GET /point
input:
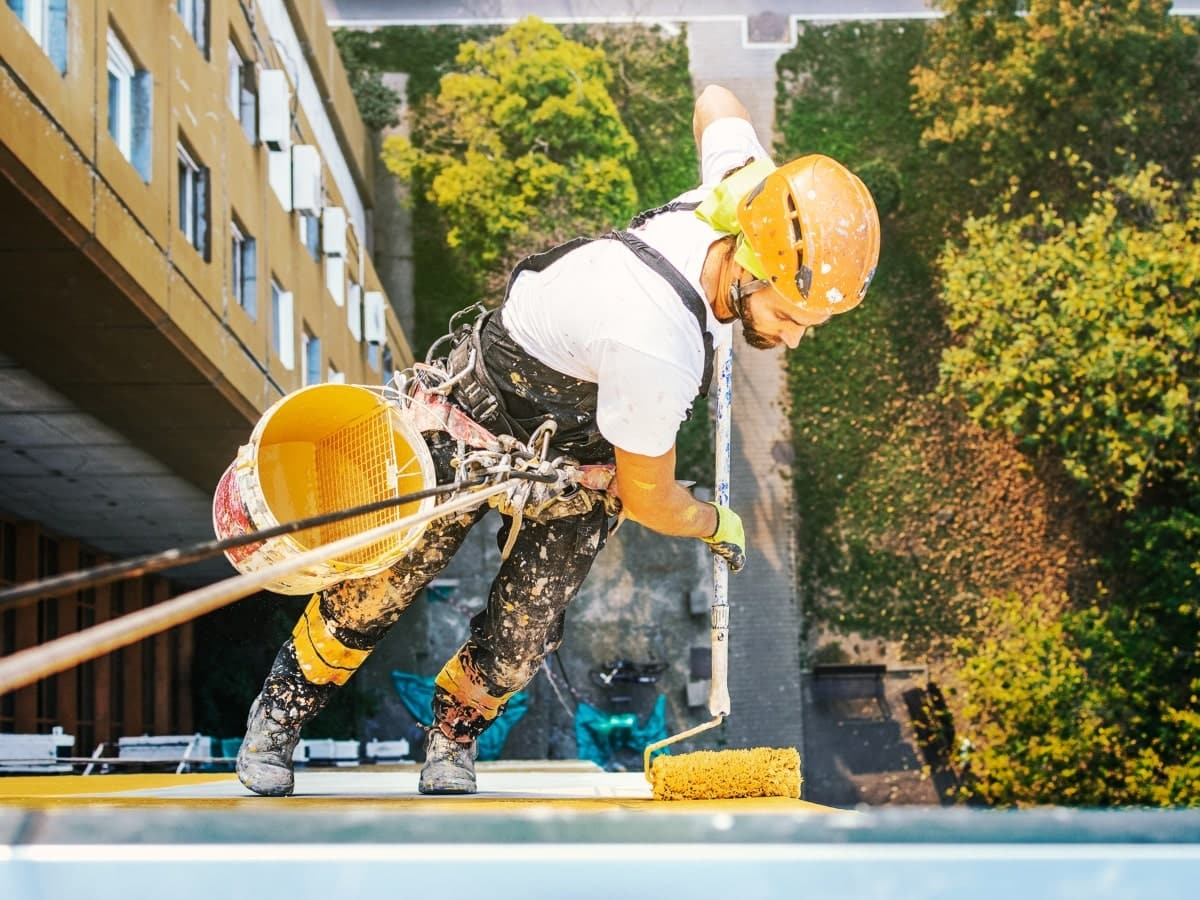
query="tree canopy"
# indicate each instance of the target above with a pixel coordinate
(1079, 336)
(522, 146)
(1005, 81)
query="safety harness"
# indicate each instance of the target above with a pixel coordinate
(534, 392)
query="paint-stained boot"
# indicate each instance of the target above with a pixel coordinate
(287, 701)
(264, 761)
(449, 766)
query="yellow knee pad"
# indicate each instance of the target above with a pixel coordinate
(322, 657)
(466, 686)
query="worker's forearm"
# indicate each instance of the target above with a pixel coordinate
(672, 511)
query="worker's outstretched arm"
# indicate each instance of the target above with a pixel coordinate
(715, 102)
(652, 497)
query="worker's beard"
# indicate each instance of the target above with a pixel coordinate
(754, 337)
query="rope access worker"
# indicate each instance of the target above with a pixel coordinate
(613, 338)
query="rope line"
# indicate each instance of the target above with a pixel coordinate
(26, 667)
(107, 573)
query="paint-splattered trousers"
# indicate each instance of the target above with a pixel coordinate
(522, 622)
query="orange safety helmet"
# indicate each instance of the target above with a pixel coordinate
(812, 227)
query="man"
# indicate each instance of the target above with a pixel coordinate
(612, 338)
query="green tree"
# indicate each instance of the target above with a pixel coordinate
(1042, 721)
(1088, 708)
(652, 88)
(1079, 336)
(377, 103)
(521, 147)
(1003, 82)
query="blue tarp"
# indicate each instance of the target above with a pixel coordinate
(600, 735)
(416, 693)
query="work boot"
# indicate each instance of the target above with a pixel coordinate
(449, 766)
(287, 701)
(264, 761)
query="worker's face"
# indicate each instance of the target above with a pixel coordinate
(771, 319)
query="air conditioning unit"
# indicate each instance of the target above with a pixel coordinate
(306, 178)
(374, 318)
(279, 175)
(354, 312)
(274, 109)
(335, 278)
(287, 333)
(333, 231)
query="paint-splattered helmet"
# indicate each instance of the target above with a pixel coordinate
(812, 227)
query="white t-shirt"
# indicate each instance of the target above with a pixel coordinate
(600, 315)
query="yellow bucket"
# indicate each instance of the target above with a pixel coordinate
(322, 449)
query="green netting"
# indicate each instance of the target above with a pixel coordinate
(604, 737)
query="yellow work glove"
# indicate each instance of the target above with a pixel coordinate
(729, 540)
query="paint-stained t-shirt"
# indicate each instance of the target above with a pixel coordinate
(600, 315)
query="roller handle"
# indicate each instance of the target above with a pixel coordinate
(718, 690)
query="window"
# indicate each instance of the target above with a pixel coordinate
(193, 201)
(242, 100)
(129, 106)
(311, 347)
(334, 376)
(282, 327)
(310, 234)
(195, 19)
(388, 363)
(46, 22)
(243, 268)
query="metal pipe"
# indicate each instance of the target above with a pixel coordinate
(718, 690)
(28, 666)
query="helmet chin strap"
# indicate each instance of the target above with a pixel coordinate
(738, 292)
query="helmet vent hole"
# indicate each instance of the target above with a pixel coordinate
(797, 233)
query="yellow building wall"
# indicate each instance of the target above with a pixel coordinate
(55, 126)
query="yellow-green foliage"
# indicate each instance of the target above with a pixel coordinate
(523, 144)
(1001, 82)
(1056, 709)
(1083, 336)
(1035, 727)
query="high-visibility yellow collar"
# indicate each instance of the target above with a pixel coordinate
(719, 209)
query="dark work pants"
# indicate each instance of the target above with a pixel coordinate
(523, 620)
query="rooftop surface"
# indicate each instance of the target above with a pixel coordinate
(547, 829)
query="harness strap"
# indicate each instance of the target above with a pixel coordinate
(518, 408)
(674, 206)
(682, 287)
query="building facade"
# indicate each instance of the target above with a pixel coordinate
(185, 205)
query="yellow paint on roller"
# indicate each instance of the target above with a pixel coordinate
(727, 774)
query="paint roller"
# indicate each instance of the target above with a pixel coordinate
(723, 774)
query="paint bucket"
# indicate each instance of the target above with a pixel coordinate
(322, 449)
